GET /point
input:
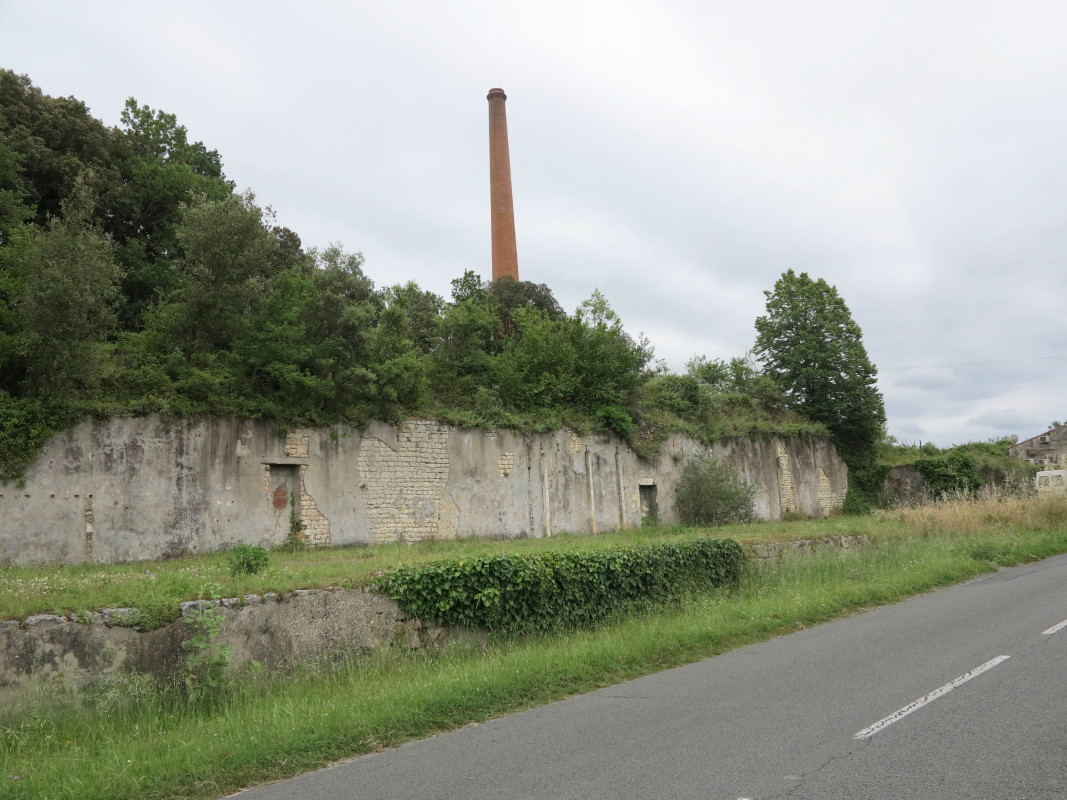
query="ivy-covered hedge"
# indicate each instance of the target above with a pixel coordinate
(521, 593)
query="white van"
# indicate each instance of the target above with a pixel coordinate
(1051, 481)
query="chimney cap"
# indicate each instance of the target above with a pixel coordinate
(496, 93)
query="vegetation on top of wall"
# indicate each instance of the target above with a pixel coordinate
(134, 280)
(555, 589)
(954, 472)
(961, 468)
(26, 423)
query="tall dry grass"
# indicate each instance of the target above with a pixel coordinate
(970, 515)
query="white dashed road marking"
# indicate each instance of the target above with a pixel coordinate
(882, 724)
(1054, 628)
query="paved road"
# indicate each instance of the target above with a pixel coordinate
(781, 718)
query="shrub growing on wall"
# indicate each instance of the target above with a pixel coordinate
(710, 493)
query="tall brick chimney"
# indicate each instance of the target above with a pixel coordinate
(505, 257)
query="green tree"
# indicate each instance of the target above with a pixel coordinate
(810, 345)
(229, 257)
(276, 353)
(609, 362)
(66, 303)
(511, 295)
(57, 142)
(421, 310)
(310, 347)
(160, 170)
(537, 368)
(469, 339)
(13, 210)
(398, 367)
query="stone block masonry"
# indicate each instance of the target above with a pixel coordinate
(296, 443)
(315, 528)
(830, 497)
(786, 490)
(135, 489)
(404, 481)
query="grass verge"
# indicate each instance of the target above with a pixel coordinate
(139, 740)
(27, 590)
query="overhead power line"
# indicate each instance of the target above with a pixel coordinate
(1032, 360)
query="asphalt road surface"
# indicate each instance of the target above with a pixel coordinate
(961, 693)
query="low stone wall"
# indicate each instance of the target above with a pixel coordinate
(272, 630)
(131, 489)
(777, 549)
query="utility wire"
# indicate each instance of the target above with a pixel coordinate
(1033, 360)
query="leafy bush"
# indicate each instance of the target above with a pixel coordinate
(555, 590)
(246, 559)
(710, 493)
(955, 472)
(207, 663)
(616, 419)
(857, 503)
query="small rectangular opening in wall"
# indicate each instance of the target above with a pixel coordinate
(649, 506)
(284, 485)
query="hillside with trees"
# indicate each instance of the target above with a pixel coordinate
(136, 279)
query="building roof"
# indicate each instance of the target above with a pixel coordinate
(1046, 433)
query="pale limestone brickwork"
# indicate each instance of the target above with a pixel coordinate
(829, 500)
(297, 442)
(316, 528)
(506, 464)
(786, 490)
(404, 484)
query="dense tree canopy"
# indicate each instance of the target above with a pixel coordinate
(133, 279)
(810, 345)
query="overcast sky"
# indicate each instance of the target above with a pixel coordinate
(678, 156)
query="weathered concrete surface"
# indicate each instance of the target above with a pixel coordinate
(49, 647)
(307, 625)
(142, 488)
(300, 626)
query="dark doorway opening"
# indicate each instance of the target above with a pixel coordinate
(649, 506)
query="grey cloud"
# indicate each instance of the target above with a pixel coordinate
(1000, 419)
(679, 159)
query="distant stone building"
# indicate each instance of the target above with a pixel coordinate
(1048, 449)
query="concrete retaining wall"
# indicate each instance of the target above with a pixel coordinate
(299, 626)
(143, 488)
